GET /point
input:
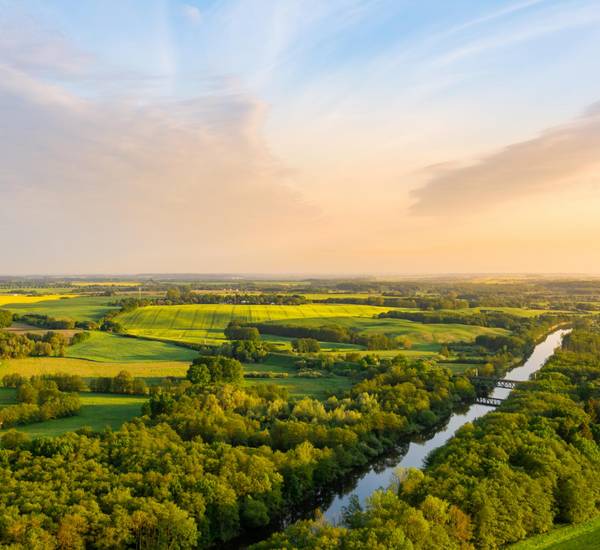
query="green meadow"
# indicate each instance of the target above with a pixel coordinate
(105, 347)
(78, 308)
(585, 536)
(98, 411)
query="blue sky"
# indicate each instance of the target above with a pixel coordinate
(295, 119)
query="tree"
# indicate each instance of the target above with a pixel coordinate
(219, 368)
(6, 318)
(306, 345)
(198, 373)
(235, 331)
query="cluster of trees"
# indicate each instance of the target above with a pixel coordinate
(14, 345)
(39, 399)
(246, 351)
(490, 318)
(215, 369)
(64, 382)
(332, 333)
(509, 475)
(6, 318)
(236, 331)
(211, 459)
(79, 337)
(306, 345)
(122, 383)
(45, 321)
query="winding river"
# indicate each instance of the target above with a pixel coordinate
(417, 452)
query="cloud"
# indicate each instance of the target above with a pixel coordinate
(191, 13)
(557, 158)
(105, 185)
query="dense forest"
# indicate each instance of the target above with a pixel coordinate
(511, 474)
(210, 459)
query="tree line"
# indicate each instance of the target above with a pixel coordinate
(39, 399)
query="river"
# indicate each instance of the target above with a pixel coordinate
(417, 452)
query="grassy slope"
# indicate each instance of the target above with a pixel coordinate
(116, 349)
(572, 537)
(80, 308)
(205, 323)
(419, 333)
(97, 411)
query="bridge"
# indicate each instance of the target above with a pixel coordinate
(489, 381)
(489, 401)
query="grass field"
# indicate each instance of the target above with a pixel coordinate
(204, 323)
(98, 411)
(319, 388)
(78, 308)
(426, 337)
(92, 369)
(571, 537)
(111, 348)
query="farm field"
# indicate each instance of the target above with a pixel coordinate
(16, 299)
(105, 347)
(77, 308)
(585, 536)
(92, 369)
(204, 323)
(98, 411)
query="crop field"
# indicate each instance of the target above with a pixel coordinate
(105, 347)
(98, 411)
(77, 308)
(92, 369)
(585, 536)
(17, 299)
(204, 323)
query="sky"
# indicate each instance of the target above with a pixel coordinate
(299, 136)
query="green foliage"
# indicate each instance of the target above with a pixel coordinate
(215, 370)
(13, 345)
(122, 383)
(306, 345)
(235, 331)
(39, 399)
(6, 318)
(246, 351)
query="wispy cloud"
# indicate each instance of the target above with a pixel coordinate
(191, 13)
(559, 157)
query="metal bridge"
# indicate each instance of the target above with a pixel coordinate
(495, 382)
(489, 401)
